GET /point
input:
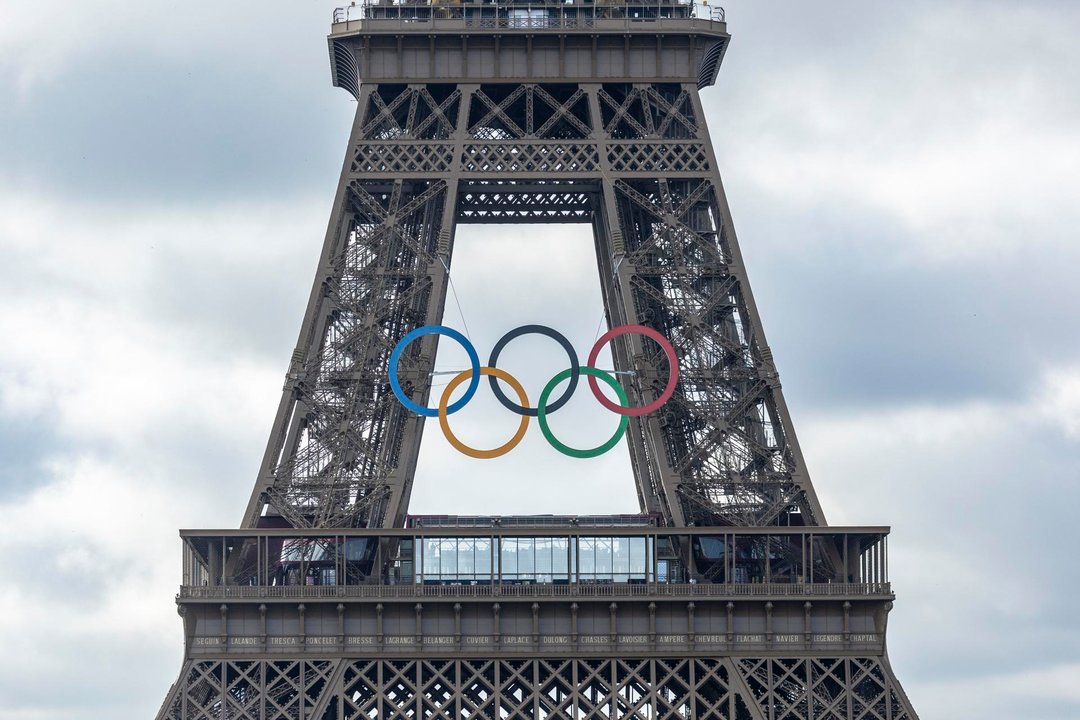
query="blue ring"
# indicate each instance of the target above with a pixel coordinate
(395, 356)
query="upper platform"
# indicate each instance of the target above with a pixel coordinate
(481, 41)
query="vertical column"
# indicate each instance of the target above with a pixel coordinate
(283, 434)
(654, 478)
(401, 479)
(808, 500)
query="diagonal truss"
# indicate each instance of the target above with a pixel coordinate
(759, 688)
(634, 161)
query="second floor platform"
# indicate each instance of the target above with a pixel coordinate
(535, 560)
(515, 42)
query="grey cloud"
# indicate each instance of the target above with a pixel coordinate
(25, 444)
(151, 130)
(855, 328)
(849, 331)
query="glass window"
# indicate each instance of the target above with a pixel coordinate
(466, 560)
(526, 559)
(482, 560)
(449, 561)
(560, 559)
(587, 558)
(604, 559)
(639, 559)
(508, 554)
(543, 559)
(620, 554)
(431, 549)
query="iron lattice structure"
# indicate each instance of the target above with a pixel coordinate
(527, 689)
(534, 113)
(635, 162)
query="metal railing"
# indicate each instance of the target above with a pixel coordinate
(604, 590)
(530, 14)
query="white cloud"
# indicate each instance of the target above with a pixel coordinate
(39, 41)
(91, 354)
(1035, 691)
(1059, 400)
(126, 332)
(140, 411)
(973, 156)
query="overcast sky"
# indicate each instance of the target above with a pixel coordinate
(904, 178)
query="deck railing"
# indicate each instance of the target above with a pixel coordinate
(528, 14)
(604, 590)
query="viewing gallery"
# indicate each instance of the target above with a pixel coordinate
(535, 551)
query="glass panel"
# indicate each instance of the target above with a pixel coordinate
(526, 559)
(785, 559)
(448, 565)
(620, 559)
(639, 560)
(508, 550)
(466, 560)
(560, 559)
(604, 559)
(482, 560)
(432, 558)
(543, 559)
(587, 558)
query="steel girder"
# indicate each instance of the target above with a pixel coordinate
(524, 688)
(636, 162)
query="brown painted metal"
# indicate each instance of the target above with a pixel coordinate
(483, 112)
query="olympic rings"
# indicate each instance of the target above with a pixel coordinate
(673, 372)
(558, 337)
(395, 357)
(542, 409)
(444, 421)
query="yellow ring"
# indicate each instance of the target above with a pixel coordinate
(444, 421)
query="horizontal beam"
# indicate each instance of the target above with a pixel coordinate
(538, 531)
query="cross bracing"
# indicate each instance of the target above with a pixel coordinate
(635, 161)
(727, 598)
(539, 688)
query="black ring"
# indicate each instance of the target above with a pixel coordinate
(575, 371)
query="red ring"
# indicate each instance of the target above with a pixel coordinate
(673, 364)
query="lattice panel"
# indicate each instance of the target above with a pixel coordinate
(713, 697)
(722, 433)
(243, 683)
(403, 158)
(499, 204)
(530, 157)
(249, 690)
(399, 112)
(438, 689)
(824, 689)
(510, 112)
(478, 689)
(360, 690)
(544, 688)
(399, 689)
(348, 440)
(653, 111)
(555, 689)
(633, 689)
(531, 153)
(201, 697)
(658, 157)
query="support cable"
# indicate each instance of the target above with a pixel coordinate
(457, 302)
(603, 312)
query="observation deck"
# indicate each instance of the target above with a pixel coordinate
(668, 40)
(548, 583)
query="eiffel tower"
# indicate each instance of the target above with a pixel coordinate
(729, 597)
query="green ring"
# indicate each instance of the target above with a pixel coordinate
(541, 414)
